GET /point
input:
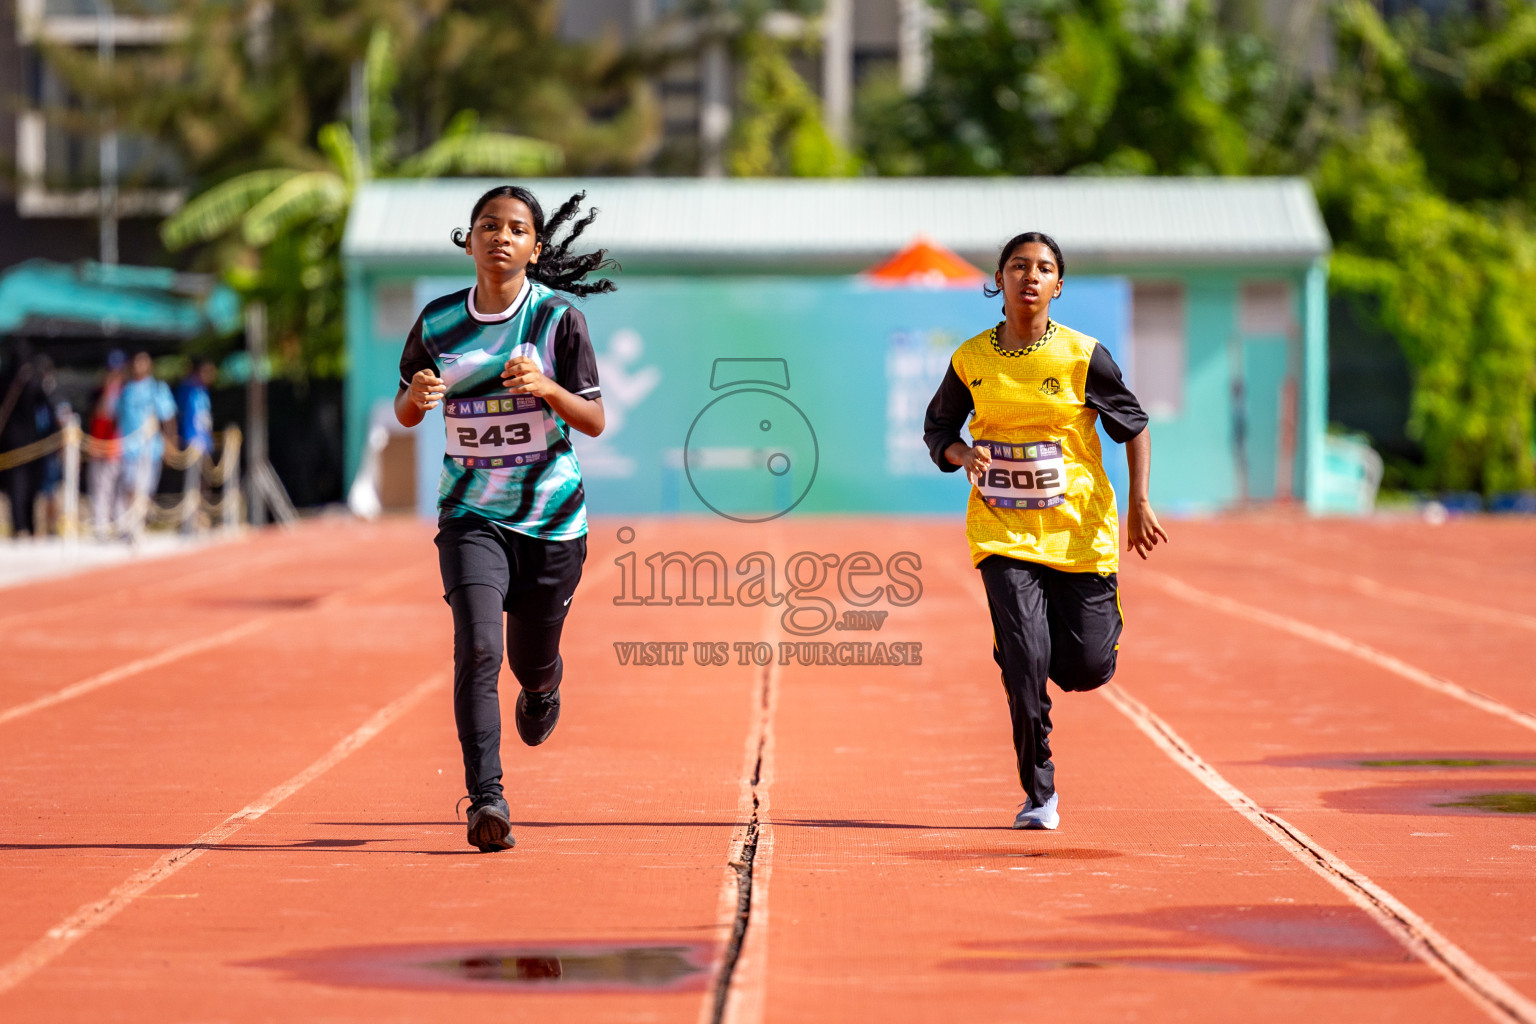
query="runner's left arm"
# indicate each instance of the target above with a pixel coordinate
(1126, 423)
(574, 394)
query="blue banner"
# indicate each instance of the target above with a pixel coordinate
(756, 397)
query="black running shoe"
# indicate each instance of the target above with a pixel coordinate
(490, 823)
(536, 715)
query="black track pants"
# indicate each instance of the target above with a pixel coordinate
(1047, 623)
(490, 572)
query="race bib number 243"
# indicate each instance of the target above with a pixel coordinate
(490, 433)
(1032, 475)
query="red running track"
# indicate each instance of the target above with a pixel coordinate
(227, 783)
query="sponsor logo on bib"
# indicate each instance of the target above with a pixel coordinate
(1032, 475)
(491, 433)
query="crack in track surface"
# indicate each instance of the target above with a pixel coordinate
(745, 862)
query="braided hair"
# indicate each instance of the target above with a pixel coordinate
(558, 267)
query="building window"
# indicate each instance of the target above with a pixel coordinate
(1267, 308)
(1158, 346)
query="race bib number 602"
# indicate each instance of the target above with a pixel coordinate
(490, 433)
(1030, 475)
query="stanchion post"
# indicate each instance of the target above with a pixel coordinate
(69, 512)
(232, 495)
(256, 404)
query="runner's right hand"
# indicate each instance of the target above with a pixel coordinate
(977, 461)
(427, 390)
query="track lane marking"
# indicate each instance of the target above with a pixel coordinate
(1368, 587)
(1482, 986)
(182, 650)
(93, 915)
(133, 668)
(1338, 642)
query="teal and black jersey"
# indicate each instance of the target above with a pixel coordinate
(509, 458)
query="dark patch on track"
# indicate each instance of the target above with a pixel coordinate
(274, 604)
(1413, 760)
(991, 965)
(1499, 803)
(1449, 762)
(1492, 797)
(985, 853)
(1297, 945)
(567, 968)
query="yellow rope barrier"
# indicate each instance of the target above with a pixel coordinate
(215, 474)
(30, 452)
(111, 448)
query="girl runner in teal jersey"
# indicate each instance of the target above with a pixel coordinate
(511, 364)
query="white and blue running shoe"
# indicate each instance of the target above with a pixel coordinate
(1044, 816)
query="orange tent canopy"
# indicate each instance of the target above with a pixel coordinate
(925, 262)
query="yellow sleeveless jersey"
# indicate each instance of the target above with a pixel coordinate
(1046, 498)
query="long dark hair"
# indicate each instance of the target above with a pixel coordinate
(558, 267)
(1024, 239)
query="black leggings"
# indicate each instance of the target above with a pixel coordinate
(1047, 623)
(533, 652)
(490, 571)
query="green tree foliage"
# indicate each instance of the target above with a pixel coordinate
(255, 101)
(505, 59)
(779, 130)
(1463, 88)
(1422, 145)
(1087, 87)
(290, 220)
(1439, 244)
(250, 82)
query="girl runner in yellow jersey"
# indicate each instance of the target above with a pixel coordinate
(1041, 520)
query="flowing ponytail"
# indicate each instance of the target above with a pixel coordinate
(557, 267)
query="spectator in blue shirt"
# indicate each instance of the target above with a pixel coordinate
(145, 411)
(195, 426)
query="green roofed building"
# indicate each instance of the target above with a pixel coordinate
(1210, 293)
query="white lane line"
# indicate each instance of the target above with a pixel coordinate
(95, 914)
(1337, 642)
(1476, 982)
(1480, 985)
(1369, 587)
(133, 668)
(179, 651)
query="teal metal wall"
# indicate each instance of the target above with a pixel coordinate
(1251, 400)
(859, 357)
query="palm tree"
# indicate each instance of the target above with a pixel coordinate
(277, 231)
